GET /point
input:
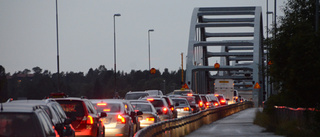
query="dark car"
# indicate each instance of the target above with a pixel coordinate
(163, 109)
(87, 121)
(222, 99)
(192, 102)
(199, 101)
(25, 121)
(170, 104)
(54, 111)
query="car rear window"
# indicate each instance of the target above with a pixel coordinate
(72, 108)
(108, 107)
(157, 103)
(22, 124)
(190, 99)
(204, 98)
(141, 107)
(180, 101)
(133, 96)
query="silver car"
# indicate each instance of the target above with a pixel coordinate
(118, 121)
(149, 115)
(183, 108)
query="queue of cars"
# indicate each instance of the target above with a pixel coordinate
(70, 116)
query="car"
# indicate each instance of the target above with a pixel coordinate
(214, 100)
(55, 112)
(149, 116)
(206, 101)
(154, 92)
(162, 107)
(192, 102)
(199, 101)
(183, 108)
(18, 120)
(135, 95)
(87, 121)
(169, 102)
(120, 120)
(222, 99)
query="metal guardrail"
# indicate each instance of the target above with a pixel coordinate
(183, 126)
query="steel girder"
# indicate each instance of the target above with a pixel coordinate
(238, 32)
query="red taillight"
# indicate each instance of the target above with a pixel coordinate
(101, 104)
(121, 119)
(207, 103)
(172, 108)
(223, 101)
(186, 109)
(216, 95)
(150, 119)
(165, 110)
(200, 104)
(89, 120)
(189, 94)
(216, 104)
(150, 99)
(106, 110)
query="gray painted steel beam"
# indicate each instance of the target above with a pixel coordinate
(208, 20)
(227, 54)
(228, 24)
(229, 35)
(224, 43)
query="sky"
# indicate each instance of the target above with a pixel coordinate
(28, 34)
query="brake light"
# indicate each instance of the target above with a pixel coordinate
(150, 119)
(207, 104)
(189, 94)
(216, 104)
(186, 109)
(223, 101)
(172, 108)
(200, 104)
(121, 119)
(101, 104)
(106, 110)
(216, 95)
(165, 110)
(89, 120)
(150, 99)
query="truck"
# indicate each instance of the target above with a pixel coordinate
(226, 87)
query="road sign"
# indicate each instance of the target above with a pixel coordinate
(153, 71)
(257, 86)
(216, 65)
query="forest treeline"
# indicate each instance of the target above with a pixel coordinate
(96, 83)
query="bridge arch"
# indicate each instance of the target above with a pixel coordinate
(237, 34)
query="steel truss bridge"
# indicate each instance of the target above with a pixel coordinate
(237, 32)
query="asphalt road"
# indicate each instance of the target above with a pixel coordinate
(237, 125)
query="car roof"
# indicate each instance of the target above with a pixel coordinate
(17, 107)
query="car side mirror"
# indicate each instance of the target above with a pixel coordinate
(132, 114)
(102, 114)
(139, 113)
(159, 112)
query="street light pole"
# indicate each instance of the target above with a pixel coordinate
(58, 66)
(150, 30)
(114, 51)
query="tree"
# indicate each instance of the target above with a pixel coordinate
(295, 55)
(3, 84)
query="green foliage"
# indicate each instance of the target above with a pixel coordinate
(295, 55)
(97, 83)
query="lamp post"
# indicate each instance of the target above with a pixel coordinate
(150, 30)
(58, 66)
(114, 51)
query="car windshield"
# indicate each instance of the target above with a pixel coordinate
(141, 107)
(72, 108)
(19, 124)
(108, 107)
(133, 96)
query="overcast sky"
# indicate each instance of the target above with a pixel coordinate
(28, 32)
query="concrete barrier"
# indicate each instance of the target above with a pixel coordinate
(183, 126)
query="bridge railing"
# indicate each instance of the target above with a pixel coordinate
(183, 126)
